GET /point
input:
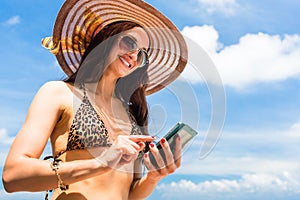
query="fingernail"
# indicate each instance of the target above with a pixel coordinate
(151, 145)
(146, 155)
(163, 140)
(178, 138)
(153, 136)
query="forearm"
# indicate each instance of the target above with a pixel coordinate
(143, 188)
(31, 174)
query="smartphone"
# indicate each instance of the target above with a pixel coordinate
(184, 131)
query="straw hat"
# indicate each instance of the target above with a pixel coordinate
(79, 20)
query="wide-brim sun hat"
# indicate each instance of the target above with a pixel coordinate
(78, 21)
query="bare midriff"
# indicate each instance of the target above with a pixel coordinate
(111, 185)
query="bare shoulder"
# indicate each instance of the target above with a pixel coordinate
(56, 87)
(55, 92)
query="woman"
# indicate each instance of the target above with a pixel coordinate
(97, 119)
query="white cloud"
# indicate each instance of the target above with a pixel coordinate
(245, 152)
(5, 138)
(294, 131)
(13, 21)
(221, 164)
(256, 185)
(228, 7)
(206, 36)
(256, 58)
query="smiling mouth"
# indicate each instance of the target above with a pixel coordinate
(124, 61)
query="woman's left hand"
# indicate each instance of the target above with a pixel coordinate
(166, 161)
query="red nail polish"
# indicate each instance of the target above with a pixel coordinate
(163, 140)
(151, 145)
(153, 136)
(146, 155)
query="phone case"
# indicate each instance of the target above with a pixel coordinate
(185, 132)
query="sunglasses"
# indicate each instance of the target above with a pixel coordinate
(128, 44)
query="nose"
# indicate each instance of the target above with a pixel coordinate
(133, 55)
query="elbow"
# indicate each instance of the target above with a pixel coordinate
(8, 182)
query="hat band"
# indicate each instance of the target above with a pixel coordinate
(82, 36)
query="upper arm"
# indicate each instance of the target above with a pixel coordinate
(40, 121)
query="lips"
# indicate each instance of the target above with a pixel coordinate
(123, 60)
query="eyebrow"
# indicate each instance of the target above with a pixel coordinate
(134, 38)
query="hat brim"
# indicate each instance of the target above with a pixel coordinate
(168, 51)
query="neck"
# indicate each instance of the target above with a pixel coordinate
(106, 87)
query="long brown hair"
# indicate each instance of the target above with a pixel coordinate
(130, 89)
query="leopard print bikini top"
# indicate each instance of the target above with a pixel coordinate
(88, 129)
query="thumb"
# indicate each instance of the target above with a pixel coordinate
(142, 146)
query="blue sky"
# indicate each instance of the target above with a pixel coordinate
(255, 48)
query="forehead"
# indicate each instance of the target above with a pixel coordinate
(140, 35)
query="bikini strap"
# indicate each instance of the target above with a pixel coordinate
(85, 97)
(82, 86)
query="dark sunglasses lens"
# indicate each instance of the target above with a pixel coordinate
(142, 58)
(127, 44)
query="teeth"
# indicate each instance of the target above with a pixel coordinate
(125, 62)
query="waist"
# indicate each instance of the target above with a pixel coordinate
(112, 185)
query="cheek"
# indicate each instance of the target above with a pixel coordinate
(111, 58)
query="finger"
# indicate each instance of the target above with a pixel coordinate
(129, 147)
(142, 138)
(177, 153)
(159, 160)
(135, 145)
(128, 158)
(131, 140)
(142, 145)
(125, 160)
(130, 143)
(168, 155)
(148, 163)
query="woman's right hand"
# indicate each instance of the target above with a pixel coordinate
(131, 146)
(125, 149)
